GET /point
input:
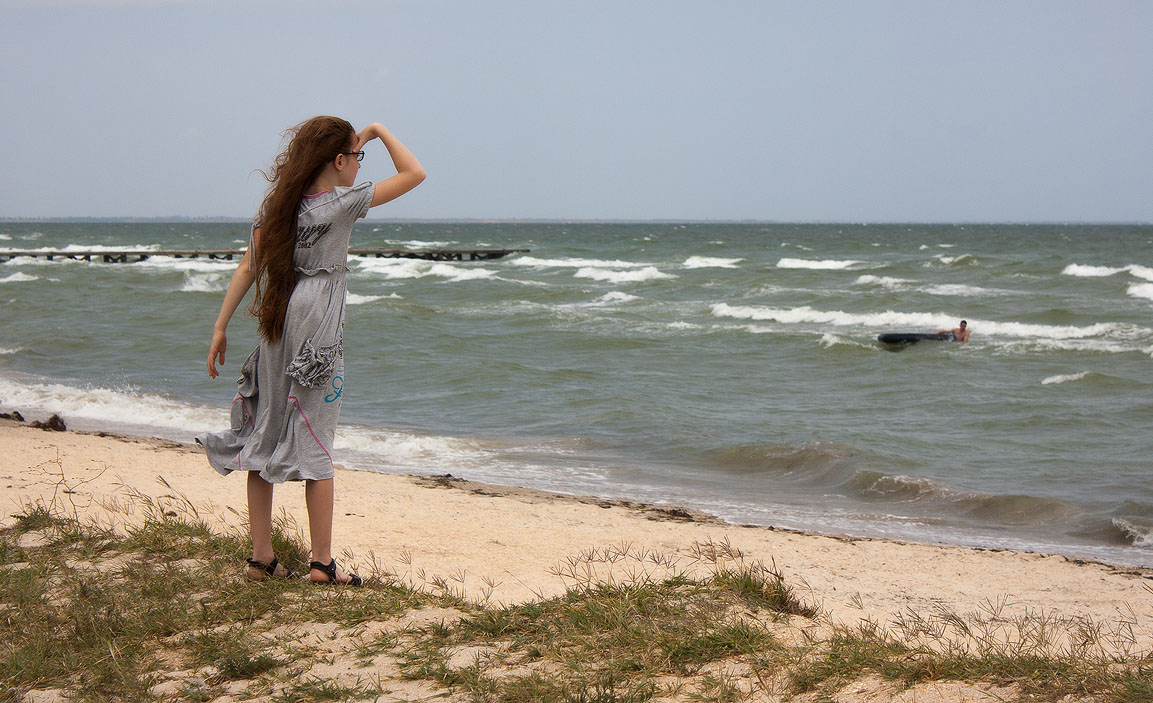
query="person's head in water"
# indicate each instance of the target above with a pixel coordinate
(964, 324)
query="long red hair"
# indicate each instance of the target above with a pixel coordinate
(312, 145)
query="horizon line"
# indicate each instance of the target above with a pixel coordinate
(562, 220)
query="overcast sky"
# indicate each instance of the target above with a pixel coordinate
(861, 111)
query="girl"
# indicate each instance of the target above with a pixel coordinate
(285, 412)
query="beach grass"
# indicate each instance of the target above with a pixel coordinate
(160, 611)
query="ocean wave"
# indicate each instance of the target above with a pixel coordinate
(150, 414)
(105, 408)
(886, 282)
(18, 277)
(896, 488)
(1015, 509)
(1105, 346)
(967, 259)
(460, 273)
(822, 463)
(700, 262)
(1000, 509)
(924, 320)
(611, 298)
(957, 289)
(1064, 378)
(825, 264)
(205, 283)
(406, 451)
(5, 237)
(10, 350)
(1134, 531)
(389, 268)
(74, 248)
(355, 299)
(574, 263)
(831, 340)
(1141, 290)
(171, 263)
(1083, 271)
(417, 244)
(1140, 272)
(418, 268)
(902, 284)
(649, 273)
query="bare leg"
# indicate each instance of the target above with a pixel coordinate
(260, 517)
(319, 497)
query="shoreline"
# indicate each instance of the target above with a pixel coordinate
(509, 545)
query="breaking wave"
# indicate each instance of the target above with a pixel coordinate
(826, 264)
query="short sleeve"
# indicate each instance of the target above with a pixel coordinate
(360, 199)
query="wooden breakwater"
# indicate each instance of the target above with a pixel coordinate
(127, 256)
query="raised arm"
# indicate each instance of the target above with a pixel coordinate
(242, 280)
(409, 172)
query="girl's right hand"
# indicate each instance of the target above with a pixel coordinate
(216, 349)
(367, 134)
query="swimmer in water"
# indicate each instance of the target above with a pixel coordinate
(960, 334)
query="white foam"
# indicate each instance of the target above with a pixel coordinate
(1141, 290)
(460, 273)
(355, 299)
(5, 237)
(649, 273)
(926, 320)
(1141, 534)
(885, 282)
(612, 298)
(204, 282)
(1140, 272)
(417, 244)
(575, 263)
(390, 268)
(73, 248)
(1090, 271)
(170, 263)
(831, 340)
(825, 264)
(1064, 378)
(950, 260)
(111, 409)
(701, 262)
(18, 277)
(1135, 270)
(403, 450)
(9, 350)
(956, 289)
(417, 268)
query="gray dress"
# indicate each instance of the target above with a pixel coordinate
(289, 392)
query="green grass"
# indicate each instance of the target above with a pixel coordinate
(163, 613)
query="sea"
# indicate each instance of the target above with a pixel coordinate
(731, 368)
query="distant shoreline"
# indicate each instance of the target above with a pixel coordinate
(611, 221)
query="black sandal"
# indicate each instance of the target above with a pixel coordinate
(269, 569)
(330, 570)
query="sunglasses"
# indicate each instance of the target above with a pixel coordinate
(358, 154)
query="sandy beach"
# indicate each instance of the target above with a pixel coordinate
(510, 545)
